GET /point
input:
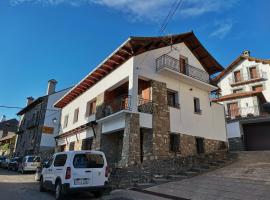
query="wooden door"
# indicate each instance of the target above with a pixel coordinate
(237, 76)
(253, 72)
(182, 63)
(233, 109)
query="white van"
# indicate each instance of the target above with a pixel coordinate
(29, 163)
(75, 171)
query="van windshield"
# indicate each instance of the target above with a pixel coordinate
(87, 160)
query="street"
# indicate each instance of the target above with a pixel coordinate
(246, 179)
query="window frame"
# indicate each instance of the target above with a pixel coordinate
(76, 115)
(175, 95)
(174, 142)
(196, 102)
(65, 121)
(89, 108)
(55, 159)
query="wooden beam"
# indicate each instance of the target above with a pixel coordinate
(195, 48)
(99, 74)
(108, 66)
(113, 61)
(91, 76)
(125, 51)
(103, 70)
(119, 56)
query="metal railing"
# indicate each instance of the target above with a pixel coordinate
(145, 105)
(116, 105)
(245, 112)
(169, 62)
(248, 77)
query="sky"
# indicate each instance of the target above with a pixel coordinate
(66, 39)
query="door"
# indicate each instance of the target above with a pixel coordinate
(237, 76)
(257, 136)
(253, 72)
(48, 173)
(182, 63)
(58, 167)
(233, 109)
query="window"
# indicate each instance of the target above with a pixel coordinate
(60, 160)
(257, 88)
(65, 121)
(238, 90)
(71, 146)
(62, 148)
(91, 108)
(253, 72)
(237, 76)
(172, 99)
(88, 160)
(174, 142)
(76, 115)
(87, 144)
(197, 108)
(200, 145)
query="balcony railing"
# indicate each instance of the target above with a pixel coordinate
(145, 105)
(245, 112)
(171, 63)
(247, 77)
(116, 105)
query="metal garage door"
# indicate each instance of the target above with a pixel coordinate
(257, 136)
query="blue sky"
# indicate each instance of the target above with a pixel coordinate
(65, 39)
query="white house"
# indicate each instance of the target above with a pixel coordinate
(150, 99)
(244, 89)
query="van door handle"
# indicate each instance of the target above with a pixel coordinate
(58, 169)
(88, 171)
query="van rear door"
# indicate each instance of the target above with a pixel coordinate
(82, 175)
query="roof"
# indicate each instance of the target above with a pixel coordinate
(135, 46)
(8, 137)
(37, 101)
(240, 95)
(9, 125)
(31, 105)
(236, 61)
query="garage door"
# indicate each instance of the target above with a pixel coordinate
(257, 136)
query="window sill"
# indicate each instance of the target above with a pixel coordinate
(176, 106)
(198, 113)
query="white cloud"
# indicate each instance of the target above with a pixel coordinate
(222, 29)
(154, 10)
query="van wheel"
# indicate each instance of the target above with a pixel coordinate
(58, 191)
(98, 194)
(41, 186)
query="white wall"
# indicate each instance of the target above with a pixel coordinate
(243, 66)
(48, 140)
(121, 73)
(233, 130)
(211, 123)
(80, 136)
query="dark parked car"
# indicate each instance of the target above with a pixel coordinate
(5, 162)
(14, 163)
(2, 158)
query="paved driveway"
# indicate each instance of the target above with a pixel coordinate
(247, 179)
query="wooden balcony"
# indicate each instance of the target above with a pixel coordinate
(247, 78)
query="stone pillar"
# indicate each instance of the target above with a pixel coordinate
(188, 145)
(96, 141)
(100, 105)
(161, 120)
(133, 92)
(131, 141)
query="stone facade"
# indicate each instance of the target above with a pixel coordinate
(236, 144)
(161, 118)
(187, 145)
(211, 146)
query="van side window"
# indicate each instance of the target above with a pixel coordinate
(60, 160)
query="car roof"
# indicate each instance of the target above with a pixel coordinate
(78, 152)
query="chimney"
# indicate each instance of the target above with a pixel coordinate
(246, 53)
(51, 86)
(29, 100)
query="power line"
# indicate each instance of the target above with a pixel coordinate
(15, 107)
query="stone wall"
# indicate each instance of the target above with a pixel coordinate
(211, 146)
(187, 145)
(146, 137)
(131, 141)
(161, 118)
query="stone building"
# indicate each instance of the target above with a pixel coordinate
(39, 123)
(245, 92)
(7, 135)
(148, 100)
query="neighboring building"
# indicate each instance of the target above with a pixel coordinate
(244, 91)
(7, 135)
(39, 123)
(150, 99)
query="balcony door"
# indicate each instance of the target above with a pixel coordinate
(233, 109)
(253, 72)
(237, 76)
(182, 64)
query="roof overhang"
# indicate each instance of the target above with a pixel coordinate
(135, 46)
(240, 95)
